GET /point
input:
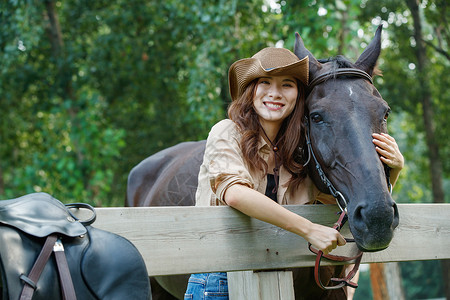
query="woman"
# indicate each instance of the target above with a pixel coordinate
(249, 159)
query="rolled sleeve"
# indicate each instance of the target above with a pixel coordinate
(223, 164)
(226, 183)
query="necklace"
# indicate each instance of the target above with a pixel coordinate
(277, 163)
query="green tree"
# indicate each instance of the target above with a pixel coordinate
(53, 131)
(90, 88)
(327, 23)
(418, 83)
(93, 87)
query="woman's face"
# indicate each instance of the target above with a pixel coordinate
(275, 99)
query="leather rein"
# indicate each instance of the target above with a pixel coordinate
(340, 199)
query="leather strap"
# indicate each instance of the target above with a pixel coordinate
(347, 280)
(87, 222)
(341, 282)
(339, 72)
(332, 257)
(68, 291)
(38, 267)
(52, 243)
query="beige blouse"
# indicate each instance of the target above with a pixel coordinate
(223, 165)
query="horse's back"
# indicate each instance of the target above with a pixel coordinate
(167, 178)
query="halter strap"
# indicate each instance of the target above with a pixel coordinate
(339, 72)
(340, 199)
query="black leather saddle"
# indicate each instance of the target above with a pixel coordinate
(47, 253)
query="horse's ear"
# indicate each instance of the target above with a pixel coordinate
(368, 59)
(301, 51)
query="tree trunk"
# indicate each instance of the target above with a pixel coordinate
(343, 33)
(428, 117)
(54, 30)
(56, 40)
(2, 182)
(64, 76)
(386, 281)
(379, 288)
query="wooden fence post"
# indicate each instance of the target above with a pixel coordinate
(265, 285)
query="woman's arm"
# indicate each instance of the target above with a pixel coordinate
(390, 154)
(257, 205)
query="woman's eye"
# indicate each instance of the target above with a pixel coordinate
(316, 118)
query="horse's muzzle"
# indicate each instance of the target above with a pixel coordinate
(372, 224)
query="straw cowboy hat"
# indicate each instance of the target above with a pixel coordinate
(267, 62)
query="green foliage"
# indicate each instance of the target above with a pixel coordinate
(421, 279)
(142, 75)
(364, 290)
(133, 77)
(158, 73)
(74, 154)
(414, 183)
(400, 86)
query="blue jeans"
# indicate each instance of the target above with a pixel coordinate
(207, 286)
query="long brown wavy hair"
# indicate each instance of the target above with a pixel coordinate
(290, 138)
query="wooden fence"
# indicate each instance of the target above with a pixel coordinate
(184, 240)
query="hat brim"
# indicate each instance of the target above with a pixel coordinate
(244, 71)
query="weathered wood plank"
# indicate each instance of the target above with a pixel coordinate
(272, 285)
(243, 284)
(180, 240)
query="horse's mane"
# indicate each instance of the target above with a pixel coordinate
(339, 62)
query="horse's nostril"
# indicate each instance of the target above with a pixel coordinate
(358, 215)
(395, 222)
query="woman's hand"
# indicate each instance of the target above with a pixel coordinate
(390, 154)
(388, 149)
(324, 238)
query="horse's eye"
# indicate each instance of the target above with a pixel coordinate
(386, 116)
(316, 118)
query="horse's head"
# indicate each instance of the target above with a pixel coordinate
(344, 108)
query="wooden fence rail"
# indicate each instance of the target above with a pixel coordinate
(183, 240)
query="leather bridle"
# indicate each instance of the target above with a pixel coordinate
(342, 203)
(340, 199)
(339, 72)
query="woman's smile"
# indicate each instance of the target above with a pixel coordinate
(273, 105)
(274, 100)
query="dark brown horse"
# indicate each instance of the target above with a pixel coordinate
(343, 109)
